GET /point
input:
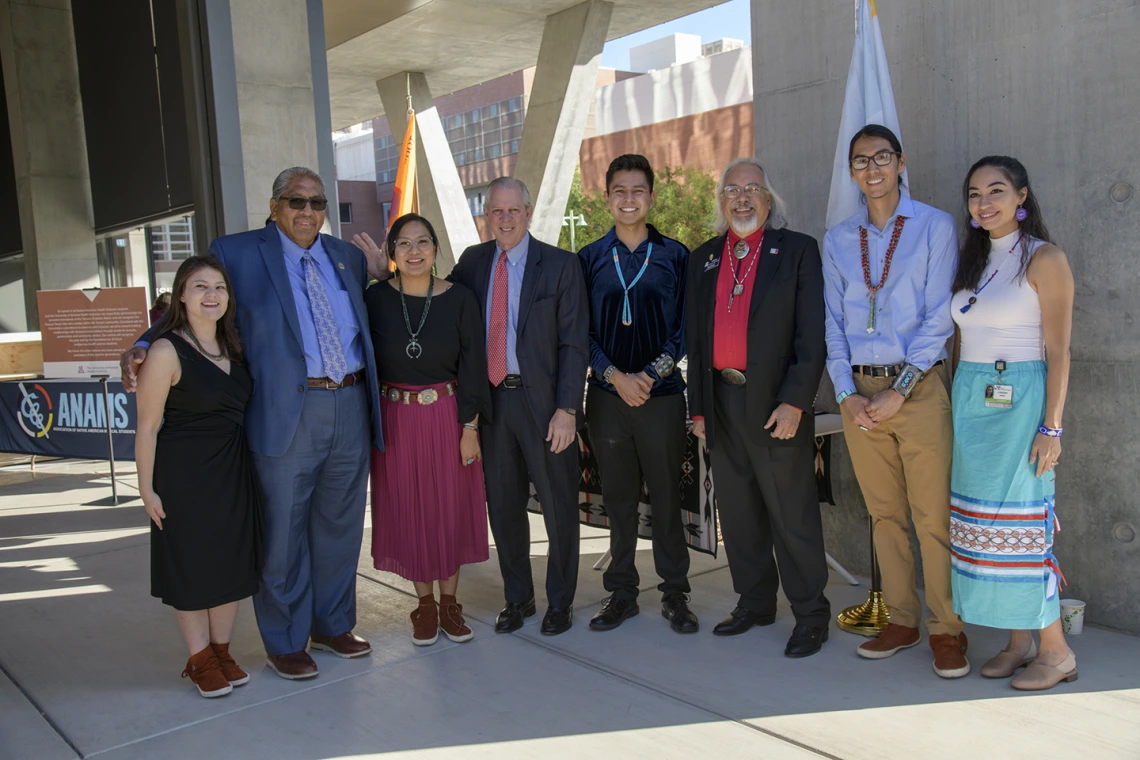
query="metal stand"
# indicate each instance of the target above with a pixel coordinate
(603, 561)
(872, 616)
(110, 440)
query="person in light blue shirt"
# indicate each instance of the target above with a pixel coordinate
(347, 327)
(888, 273)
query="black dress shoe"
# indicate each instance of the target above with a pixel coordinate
(613, 613)
(675, 609)
(806, 640)
(740, 621)
(557, 620)
(511, 618)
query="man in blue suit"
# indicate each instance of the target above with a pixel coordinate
(312, 417)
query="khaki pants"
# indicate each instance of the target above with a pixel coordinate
(903, 467)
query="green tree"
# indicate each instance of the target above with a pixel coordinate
(685, 209)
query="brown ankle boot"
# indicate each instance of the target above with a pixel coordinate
(234, 674)
(451, 619)
(425, 622)
(205, 671)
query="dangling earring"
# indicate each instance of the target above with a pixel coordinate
(1021, 214)
(975, 223)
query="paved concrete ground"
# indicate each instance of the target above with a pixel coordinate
(90, 666)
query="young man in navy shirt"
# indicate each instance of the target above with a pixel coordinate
(635, 407)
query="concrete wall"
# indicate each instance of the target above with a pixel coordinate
(702, 85)
(1053, 83)
(355, 157)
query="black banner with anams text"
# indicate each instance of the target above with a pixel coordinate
(66, 418)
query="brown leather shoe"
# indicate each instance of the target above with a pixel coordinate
(425, 622)
(234, 674)
(950, 655)
(892, 639)
(451, 620)
(346, 645)
(295, 666)
(205, 671)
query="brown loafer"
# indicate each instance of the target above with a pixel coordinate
(1005, 663)
(892, 639)
(1039, 677)
(346, 645)
(950, 655)
(295, 666)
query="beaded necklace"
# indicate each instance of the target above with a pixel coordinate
(873, 290)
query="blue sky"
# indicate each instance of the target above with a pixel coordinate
(731, 19)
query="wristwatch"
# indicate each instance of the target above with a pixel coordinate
(570, 410)
(663, 365)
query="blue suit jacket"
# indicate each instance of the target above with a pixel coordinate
(271, 332)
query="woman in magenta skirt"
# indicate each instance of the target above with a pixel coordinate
(429, 510)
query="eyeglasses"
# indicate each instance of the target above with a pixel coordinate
(423, 245)
(882, 158)
(317, 204)
(753, 190)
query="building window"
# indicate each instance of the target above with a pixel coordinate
(494, 109)
(478, 154)
(460, 159)
(496, 150)
(387, 208)
(346, 213)
(514, 146)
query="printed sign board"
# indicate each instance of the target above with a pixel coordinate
(66, 418)
(85, 331)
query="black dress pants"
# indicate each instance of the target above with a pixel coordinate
(767, 499)
(515, 453)
(631, 443)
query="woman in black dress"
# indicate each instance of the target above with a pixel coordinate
(429, 509)
(195, 472)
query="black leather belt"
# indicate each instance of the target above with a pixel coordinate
(324, 382)
(511, 381)
(872, 370)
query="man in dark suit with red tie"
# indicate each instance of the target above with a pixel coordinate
(755, 328)
(534, 302)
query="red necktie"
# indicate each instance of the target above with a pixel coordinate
(497, 329)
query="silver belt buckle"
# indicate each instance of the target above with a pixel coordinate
(428, 396)
(733, 377)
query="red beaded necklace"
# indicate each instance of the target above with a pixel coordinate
(873, 290)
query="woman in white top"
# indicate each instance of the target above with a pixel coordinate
(1013, 307)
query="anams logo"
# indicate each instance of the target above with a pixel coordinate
(32, 417)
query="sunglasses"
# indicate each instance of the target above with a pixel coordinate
(317, 204)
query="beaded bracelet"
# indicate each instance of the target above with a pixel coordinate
(1051, 432)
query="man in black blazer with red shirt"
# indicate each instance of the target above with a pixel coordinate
(755, 324)
(533, 298)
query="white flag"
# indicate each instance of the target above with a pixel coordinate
(869, 100)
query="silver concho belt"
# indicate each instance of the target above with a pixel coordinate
(733, 377)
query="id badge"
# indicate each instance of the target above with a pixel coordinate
(999, 396)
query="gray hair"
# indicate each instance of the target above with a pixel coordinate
(507, 183)
(777, 214)
(286, 178)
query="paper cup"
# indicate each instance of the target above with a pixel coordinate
(1072, 616)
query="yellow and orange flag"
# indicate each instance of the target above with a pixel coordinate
(404, 199)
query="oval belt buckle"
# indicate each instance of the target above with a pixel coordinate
(733, 376)
(393, 394)
(429, 396)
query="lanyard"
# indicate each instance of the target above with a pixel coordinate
(974, 298)
(626, 314)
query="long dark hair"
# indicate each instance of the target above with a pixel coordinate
(176, 319)
(975, 253)
(394, 233)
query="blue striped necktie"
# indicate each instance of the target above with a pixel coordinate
(332, 354)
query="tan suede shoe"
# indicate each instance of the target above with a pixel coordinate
(205, 671)
(234, 674)
(1039, 676)
(892, 639)
(1005, 663)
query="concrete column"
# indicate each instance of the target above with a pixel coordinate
(49, 147)
(441, 195)
(322, 110)
(135, 263)
(564, 80)
(273, 69)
